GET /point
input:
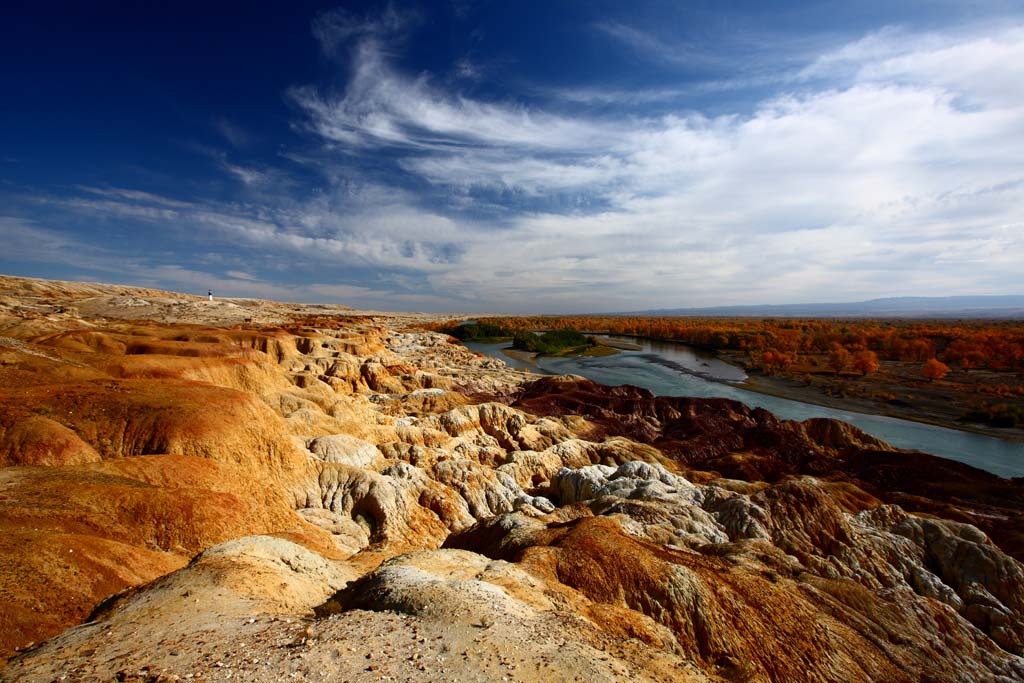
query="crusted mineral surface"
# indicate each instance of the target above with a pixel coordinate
(247, 490)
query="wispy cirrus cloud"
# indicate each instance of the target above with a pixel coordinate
(366, 226)
(334, 29)
(136, 196)
(885, 166)
(983, 68)
(35, 243)
(468, 69)
(383, 107)
(677, 52)
(234, 134)
(876, 173)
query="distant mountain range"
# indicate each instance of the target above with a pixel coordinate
(1011, 306)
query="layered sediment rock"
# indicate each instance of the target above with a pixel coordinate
(354, 499)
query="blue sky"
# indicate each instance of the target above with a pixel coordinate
(575, 156)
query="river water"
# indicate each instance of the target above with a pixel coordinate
(669, 369)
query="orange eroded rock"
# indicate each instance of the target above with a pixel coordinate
(741, 611)
(73, 535)
(602, 530)
(129, 449)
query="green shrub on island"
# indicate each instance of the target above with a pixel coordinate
(553, 342)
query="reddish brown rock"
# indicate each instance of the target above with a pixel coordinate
(739, 442)
(743, 610)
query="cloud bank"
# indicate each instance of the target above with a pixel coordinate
(890, 166)
(886, 166)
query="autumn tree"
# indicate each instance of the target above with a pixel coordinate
(865, 362)
(996, 345)
(918, 349)
(838, 357)
(934, 369)
(775, 360)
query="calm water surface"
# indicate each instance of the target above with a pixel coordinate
(669, 369)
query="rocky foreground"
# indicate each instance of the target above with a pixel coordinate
(223, 491)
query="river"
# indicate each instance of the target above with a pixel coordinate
(669, 369)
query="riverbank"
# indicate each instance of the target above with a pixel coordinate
(935, 372)
(621, 345)
(530, 357)
(522, 356)
(896, 390)
(929, 411)
(659, 370)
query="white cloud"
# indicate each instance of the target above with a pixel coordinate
(676, 52)
(120, 193)
(334, 28)
(24, 240)
(27, 241)
(363, 226)
(469, 70)
(883, 185)
(236, 135)
(891, 166)
(382, 107)
(248, 175)
(985, 69)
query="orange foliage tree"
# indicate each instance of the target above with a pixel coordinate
(838, 357)
(865, 362)
(991, 344)
(934, 369)
(773, 360)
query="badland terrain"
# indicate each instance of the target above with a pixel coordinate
(261, 491)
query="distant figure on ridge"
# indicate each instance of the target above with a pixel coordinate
(209, 293)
